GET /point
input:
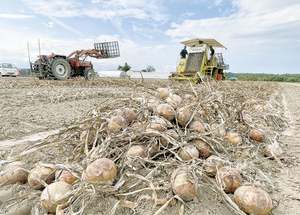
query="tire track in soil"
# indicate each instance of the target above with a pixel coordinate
(288, 181)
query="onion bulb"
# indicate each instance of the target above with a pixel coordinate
(127, 113)
(137, 151)
(67, 176)
(188, 152)
(152, 105)
(273, 152)
(203, 148)
(229, 179)
(136, 126)
(102, 171)
(174, 100)
(184, 116)
(162, 93)
(116, 123)
(233, 137)
(170, 133)
(221, 132)
(257, 135)
(253, 200)
(212, 165)
(157, 123)
(13, 173)
(45, 174)
(196, 125)
(55, 194)
(166, 111)
(183, 184)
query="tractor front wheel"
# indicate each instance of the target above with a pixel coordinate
(89, 74)
(61, 69)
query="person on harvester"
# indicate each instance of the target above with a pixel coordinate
(183, 53)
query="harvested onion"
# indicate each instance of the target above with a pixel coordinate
(162, 93)
(152, 105)
(55, 194)
(183, 185)
(188, 152)
(102, 171)
(45, 174)
(212, 165)
(233, 137)
(166, 111)
(253, 200)
(203, 148)
(196, 125)
(257, 135)
(67, 176)
(273, 152)
(171, 133)
(229, 179)
(136, 126)
(157, 123)
(127, 113)
(174, 100)
(116, 123)
(13, 173)
(184, 116)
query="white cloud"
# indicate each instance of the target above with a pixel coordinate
(14, 16)
(49, 24)
(218, 2)
(187, 14)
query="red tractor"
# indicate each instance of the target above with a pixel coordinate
(61, 67)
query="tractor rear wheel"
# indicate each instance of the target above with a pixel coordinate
(60, 68)
(89, 74)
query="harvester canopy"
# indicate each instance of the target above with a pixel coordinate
(198, 42)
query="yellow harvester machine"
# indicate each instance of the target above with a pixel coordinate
(201, 62)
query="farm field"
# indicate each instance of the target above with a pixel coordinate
(75, 114)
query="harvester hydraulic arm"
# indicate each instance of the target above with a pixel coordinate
(91, 53)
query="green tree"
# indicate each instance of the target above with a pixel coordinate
(150, 69)
(125, 68)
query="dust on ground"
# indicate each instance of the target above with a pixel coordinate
(28, 110)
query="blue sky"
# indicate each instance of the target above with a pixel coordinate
(260, 36)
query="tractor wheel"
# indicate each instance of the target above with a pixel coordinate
(60, 68)
(89, 74)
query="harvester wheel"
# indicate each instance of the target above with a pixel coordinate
(60, 68)
(89, 74)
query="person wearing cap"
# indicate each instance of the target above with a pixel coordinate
(183, 52)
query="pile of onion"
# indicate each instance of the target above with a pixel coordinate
(184, 116)
(196, 125)
(233, 137)
(212, 165)
(221, 132)
(257, 135)
(166, 111)
(273, 151)
(183, 185)
(101, 171)
(67, 176)
(229, 179)
(253, 200)
(39, 173)
(129, 114)
(55, 194)
(203, 148)
(152, 105)
(188, 152)
(13, 173)
(136, 126)
(116, 123)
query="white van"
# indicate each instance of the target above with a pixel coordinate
(8, 69)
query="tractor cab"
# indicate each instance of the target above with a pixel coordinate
(202, 61)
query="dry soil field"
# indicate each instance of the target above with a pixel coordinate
(32, 109)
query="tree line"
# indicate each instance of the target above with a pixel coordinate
(126, 67)
(263, 77)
